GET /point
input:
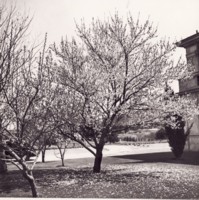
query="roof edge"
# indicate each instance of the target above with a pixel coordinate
(189, 40)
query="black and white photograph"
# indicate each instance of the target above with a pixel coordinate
(99, 99)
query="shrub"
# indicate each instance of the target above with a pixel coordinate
(161, 134)
(113, 137)
(130, 139)
(177, 137)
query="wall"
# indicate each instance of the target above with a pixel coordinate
(192, 143)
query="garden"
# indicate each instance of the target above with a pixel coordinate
(113, 77)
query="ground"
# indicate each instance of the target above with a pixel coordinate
(143, 175)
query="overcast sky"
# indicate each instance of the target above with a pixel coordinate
(176, 19)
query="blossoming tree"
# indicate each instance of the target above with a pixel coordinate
(115, 71)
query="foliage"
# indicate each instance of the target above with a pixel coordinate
(177, 136)
(175, 131)
(129, 139)
(113, 137)
(160, 134)
(176, 139)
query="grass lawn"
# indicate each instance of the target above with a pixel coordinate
(155, 175)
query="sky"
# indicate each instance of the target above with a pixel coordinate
(175, 19)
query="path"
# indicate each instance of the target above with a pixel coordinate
(109, 150)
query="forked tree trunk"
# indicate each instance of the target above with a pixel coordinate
(62, 146)
(29, 176)
(98, 161)
(62, 154)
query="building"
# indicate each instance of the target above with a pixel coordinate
(191, 45)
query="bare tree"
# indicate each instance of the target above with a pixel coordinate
(27, 99)
(116, 71)
(13, 28)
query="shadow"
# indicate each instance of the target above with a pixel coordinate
(59, 182)
(190, 158)
(13, 181)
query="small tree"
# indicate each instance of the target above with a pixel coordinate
(176, 136)
(62, 144)
(175, 131)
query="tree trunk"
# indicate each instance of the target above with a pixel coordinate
(62, 154)
(29, 176)
(62, 161)
(3, 167)
(98, 161)
(43, 153)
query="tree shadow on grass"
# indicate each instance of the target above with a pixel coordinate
(60, 182)
(13, 181)
(190, 158)
(66, 182)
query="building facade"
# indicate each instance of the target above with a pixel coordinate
(191, 45)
